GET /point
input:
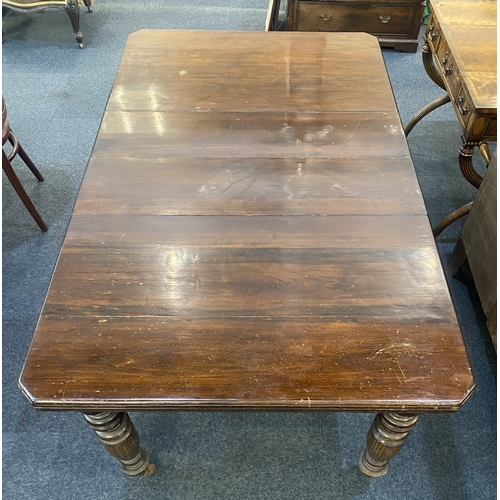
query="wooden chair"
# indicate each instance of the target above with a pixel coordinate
(7, 135)
(72, 7)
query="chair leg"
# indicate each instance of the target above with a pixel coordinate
(11, 175)
(73, 10)
(22, 153)
(88, 5)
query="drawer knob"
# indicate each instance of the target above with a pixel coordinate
(325, 17)
(385, 19)
(434, 35)
(447, 70)
(445, 58)
(462, 110)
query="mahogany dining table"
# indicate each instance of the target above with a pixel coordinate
(249, 235)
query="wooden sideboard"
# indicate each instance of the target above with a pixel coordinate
(395, 23)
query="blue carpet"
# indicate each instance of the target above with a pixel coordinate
(56, 94)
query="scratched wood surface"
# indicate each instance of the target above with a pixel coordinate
(252, 256)
(250, 186)
(251, 74)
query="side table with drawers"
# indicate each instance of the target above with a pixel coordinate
(395, 23)
(460, 55)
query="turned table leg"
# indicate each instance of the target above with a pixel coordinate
(386, 437)
(117, 433)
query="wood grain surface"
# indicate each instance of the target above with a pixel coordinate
(147, 135)
(251, 73)
(249, 235)
(250, 186)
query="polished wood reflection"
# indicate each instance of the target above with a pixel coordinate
(250, 186)
(295, 73)
(249, 235)
(149, 135)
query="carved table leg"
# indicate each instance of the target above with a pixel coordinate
(118, 435)
(386, 437)
(430, 67)
(465, 162)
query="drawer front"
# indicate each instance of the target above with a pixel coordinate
(463, 107)
(433, 34)
(377, 19)
(446, 65)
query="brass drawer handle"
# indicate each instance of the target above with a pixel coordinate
(462, 110)
(447, 70)
(431, 27)
(385, 19)
(325, 17)
(434, 35)
(445, 58)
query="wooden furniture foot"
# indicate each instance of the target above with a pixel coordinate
(88, 4)
(117, 433)
(385, 438)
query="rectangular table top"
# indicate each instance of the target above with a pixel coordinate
(249, 235)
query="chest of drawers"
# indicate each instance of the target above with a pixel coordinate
(395, 23)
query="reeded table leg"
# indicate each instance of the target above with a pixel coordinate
(118, 435)
(469, 172)
(440, 101)
(465, 161)
(450, 219)
(386, 437)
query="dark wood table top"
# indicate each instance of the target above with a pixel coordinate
(249, 234)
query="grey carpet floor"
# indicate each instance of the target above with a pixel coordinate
(56, 94)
